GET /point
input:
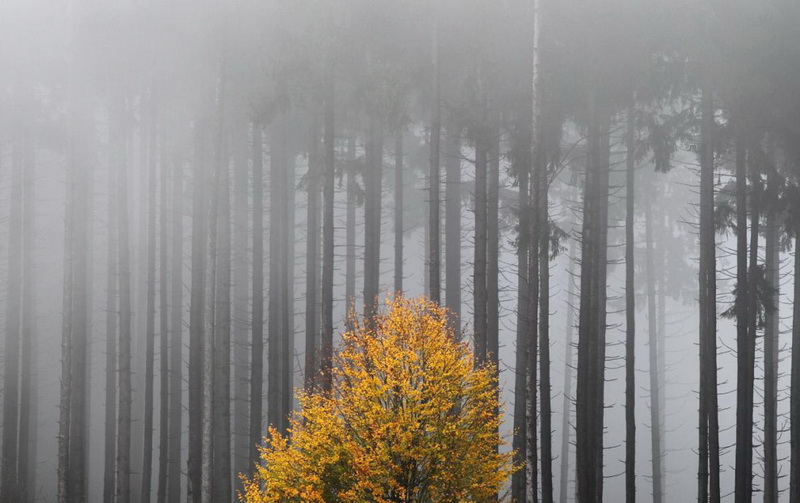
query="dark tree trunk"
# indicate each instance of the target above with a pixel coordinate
(794, 413)
(542, 214)
(653, 343)
(257, 342)
(150, 335)
(240, 321)
(163, 312)
(398, 210)
(373, 182)
(28, 391)
(196, 316)
(521, 158)
(312, 256)
(111, 327)
(328, 188)
(350, 231)
(119, 141)
(771, 346)
(176, 337)
(9, 488)
(493, 251)
(481, 236)
(744, 411)
(630, 312)
(453, 227)
(434, 174)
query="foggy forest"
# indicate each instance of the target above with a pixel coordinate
(212, 212)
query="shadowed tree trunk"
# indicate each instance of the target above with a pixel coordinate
(350, 231)
(398, 210)
(176, 336)
(257, 327)
(328, 188)
(118, 142)
(10, 489)
(164, 362)
(630, 312)
(653, 344)
(542, 214)
(434, 174)
(771, 345)
(493, 250)
(453, 226)
(312, 255)
(481, 235)
(373, 182)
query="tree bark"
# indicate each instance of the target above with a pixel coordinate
(567, 395)
(312, 256)
(653, 343)
(434, 180)
(398, 211)
(630, 311)
(794, 413)
(163, 293)
(257, 339)
(771, 345)
(542, 214)
(350, 231)
(481, 236)
(176, 337)
(453, 227)
(373, 183)
(329, 180)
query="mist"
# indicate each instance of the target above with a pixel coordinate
(194, 197)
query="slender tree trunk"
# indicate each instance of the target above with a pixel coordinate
(350, 231)
(147, 446)
(744, 413)
(630, 311)
(111, 327)
(373, 184)
(9, 486)
(240, 321)
(257, 326)
(222, 333)
(28, 392)
(567, 395)
(163, 311)
(653, 343)
(794, 413)
(176, 334)
(328, 187)
(481, 237)
(522, 161)
(312, 256)
(453, 227)
(434, 181)
(542, 214)
(286, 352)
(119, 142)
(278, 168)
(196, 316)
(398, 210)
(65, 395)
(493, 252)
(771, 346)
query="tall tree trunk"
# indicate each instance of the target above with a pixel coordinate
(65, 392)
(567, 394)
(350, 231)
(434, 180)
(398, 210)
(176, 333)
(222, 333)
(119, 141)
(28, 391)
(481, 236)
(9, 483)
(312, 255)
(278, 167)
(240, 321)
(708, 431)
(147, 446)
(373, 183)
(522, 168)
(196, 316)
(542, 214)
(744, 412)
(771, 346)
(163, 312)
(453, 226)
(257, 326)
(630, 310)
(328, 244)
(287, 354)
(794, 413)
(111, 326)
(493, 250)
(653, 343)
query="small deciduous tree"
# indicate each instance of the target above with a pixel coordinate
(408, 419)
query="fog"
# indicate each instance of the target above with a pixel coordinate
(607, 193)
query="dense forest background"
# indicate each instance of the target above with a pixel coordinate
(605, 195)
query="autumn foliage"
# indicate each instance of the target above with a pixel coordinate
(409, 419)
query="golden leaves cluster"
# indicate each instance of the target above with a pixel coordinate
(409, 419)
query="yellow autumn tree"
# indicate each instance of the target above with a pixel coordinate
(409, 419)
